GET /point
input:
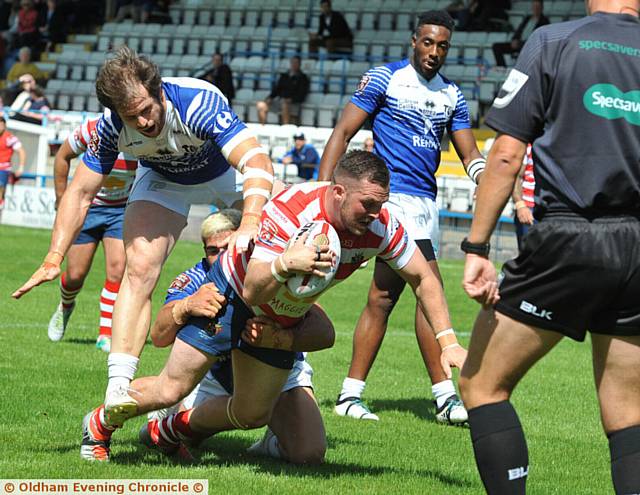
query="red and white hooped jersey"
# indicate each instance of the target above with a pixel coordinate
(117, 185)
(281, 218)
(528, 179)
(8, 144)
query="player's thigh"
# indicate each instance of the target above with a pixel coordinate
(616, 368)
(256, 388)
(150, 232)
(297, 423)
(184, 369)
(386, 286)
(114, 256)
(501, 351)
(79, 259)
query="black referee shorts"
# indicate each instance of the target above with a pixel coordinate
(575, 275)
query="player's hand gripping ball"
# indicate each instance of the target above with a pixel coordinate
(320, 234)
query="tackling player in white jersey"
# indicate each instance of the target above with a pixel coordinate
(188, 143)
(411, 105)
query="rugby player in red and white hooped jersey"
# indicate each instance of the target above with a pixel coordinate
(104, 223)
(523, 197)
(353, 204)
(8, 144)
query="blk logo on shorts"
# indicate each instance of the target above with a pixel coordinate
(517, 473)
(532, 309)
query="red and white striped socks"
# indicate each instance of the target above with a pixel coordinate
(67, 294)
(107, 300)
(171, 430)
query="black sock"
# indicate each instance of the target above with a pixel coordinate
(624, 446)
(500, 448)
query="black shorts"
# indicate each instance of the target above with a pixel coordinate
(575, 275)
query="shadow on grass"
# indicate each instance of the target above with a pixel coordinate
(229, 451)
(76, 340)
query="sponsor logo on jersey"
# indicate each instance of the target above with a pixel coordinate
(180, 282)
(364, 82)
(94, 142)
(514, 83)
(533, 310)
(607, 101)
(268, 231)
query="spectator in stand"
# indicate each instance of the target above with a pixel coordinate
(305, 156)
(23, 66)
(368, 145)
(36, 108)
(220, 76)
(522, 197)
(526, 27)
(53, 24)
(26, 83)
(484, 15)
(27, 33)
(8, 144)
(138, 10)
(288, 93)
(333, 32)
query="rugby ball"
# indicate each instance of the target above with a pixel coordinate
(320, 233)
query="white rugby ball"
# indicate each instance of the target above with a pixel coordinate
(320, 233)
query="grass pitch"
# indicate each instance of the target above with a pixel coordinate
(47, 388)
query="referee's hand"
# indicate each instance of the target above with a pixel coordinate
(480, 280)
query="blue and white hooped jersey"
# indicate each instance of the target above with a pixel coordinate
(199, 132)
(188, 282)
(409, 116)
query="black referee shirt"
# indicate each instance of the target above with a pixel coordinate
(575, 93)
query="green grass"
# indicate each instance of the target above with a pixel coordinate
(47, 388)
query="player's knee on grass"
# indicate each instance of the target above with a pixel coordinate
(301, 451)
(250, 419)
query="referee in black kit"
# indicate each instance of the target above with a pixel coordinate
(574, 93)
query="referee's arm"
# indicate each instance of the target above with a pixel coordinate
(499, 177)
(350, 122)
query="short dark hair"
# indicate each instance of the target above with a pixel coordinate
(120, 75)
(360, 164)
(2, 119)
(436, 18)
(325, 1)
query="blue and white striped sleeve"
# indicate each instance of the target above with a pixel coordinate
(186, 284)
(102, 148)
(370, 94)
(460, 118)
(210, 117)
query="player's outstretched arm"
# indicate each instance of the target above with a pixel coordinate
(350, 122)
(250, 159)
(430, 296)
(264, 279)
(206, 301)
(61, 167)
(314, 333)
(69, 219)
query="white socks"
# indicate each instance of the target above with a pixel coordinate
(351, 388)
(442, 391)
(122, 367)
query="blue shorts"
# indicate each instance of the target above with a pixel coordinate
(4, 177)
(219, 336)
(101, 221)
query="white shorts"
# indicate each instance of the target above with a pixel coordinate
(300, 376)
(418, 215)
(151, 186)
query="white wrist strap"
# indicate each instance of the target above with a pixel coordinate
(448, 331)
(258, 191)
(475, 168)
(258, 150)
(256, 173)
(279, 278)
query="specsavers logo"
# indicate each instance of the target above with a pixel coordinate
(605, 100)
